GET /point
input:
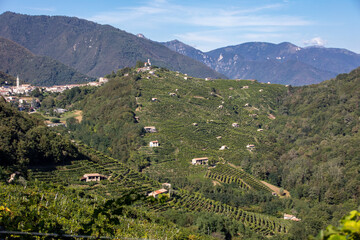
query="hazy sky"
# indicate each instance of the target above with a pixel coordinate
(211, 24)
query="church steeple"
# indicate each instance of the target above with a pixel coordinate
(17, 81)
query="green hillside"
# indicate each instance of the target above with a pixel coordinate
(104, 208)
(302, 140)
(308, 133)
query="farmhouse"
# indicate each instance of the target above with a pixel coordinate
(224, 147)
(93, 177)
(245, 87)
(154, 143)
(235, 125)
(200, 161)
(250, 147)
(291, 217)
(172, 94)
(156, 193)
(150, 129)
(154, 99)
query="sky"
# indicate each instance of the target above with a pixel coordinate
(211, 24)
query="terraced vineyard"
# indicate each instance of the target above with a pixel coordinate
(226, 174)
(120, 178)
(263, 224)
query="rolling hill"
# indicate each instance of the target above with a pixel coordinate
(37, 70)
(282, 63)
(304, 140)
(91, 48)
(55, 201)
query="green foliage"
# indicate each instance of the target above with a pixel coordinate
(49, 208)
(108, 120)
(349, 229)
(25, 141)
(317, 140)
(7, 80)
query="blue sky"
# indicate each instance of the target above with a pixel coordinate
(211, 24)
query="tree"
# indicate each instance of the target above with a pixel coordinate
(349, 229)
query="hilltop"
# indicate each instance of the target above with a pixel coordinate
(283, 63)
(37, 70)
(91, 48)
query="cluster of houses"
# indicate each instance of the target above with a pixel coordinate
(27, 88)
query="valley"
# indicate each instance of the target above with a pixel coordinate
(105, 134)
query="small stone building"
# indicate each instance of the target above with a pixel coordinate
(200, 161)
(150, 129)
(154, 143)
(156, 193)
(93, 177)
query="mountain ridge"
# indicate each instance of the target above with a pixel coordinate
(37, 70)
(91, 48)
(266, 61)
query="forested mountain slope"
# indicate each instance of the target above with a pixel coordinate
(318, 134)
(37, 70)
(91, 48)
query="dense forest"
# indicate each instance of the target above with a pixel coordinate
(25, 141)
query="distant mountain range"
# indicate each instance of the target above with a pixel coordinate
(283, 63)
(37, 70)
(91, 48)
(96, 50)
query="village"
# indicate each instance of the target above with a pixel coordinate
(25, 89)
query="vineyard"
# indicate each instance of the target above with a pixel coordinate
(262, 224)
(121, 179)
(226, 174)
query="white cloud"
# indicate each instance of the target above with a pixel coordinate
(316, 41)
(206, 26)
(196, 16)
(42, 9)
(200, 37)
